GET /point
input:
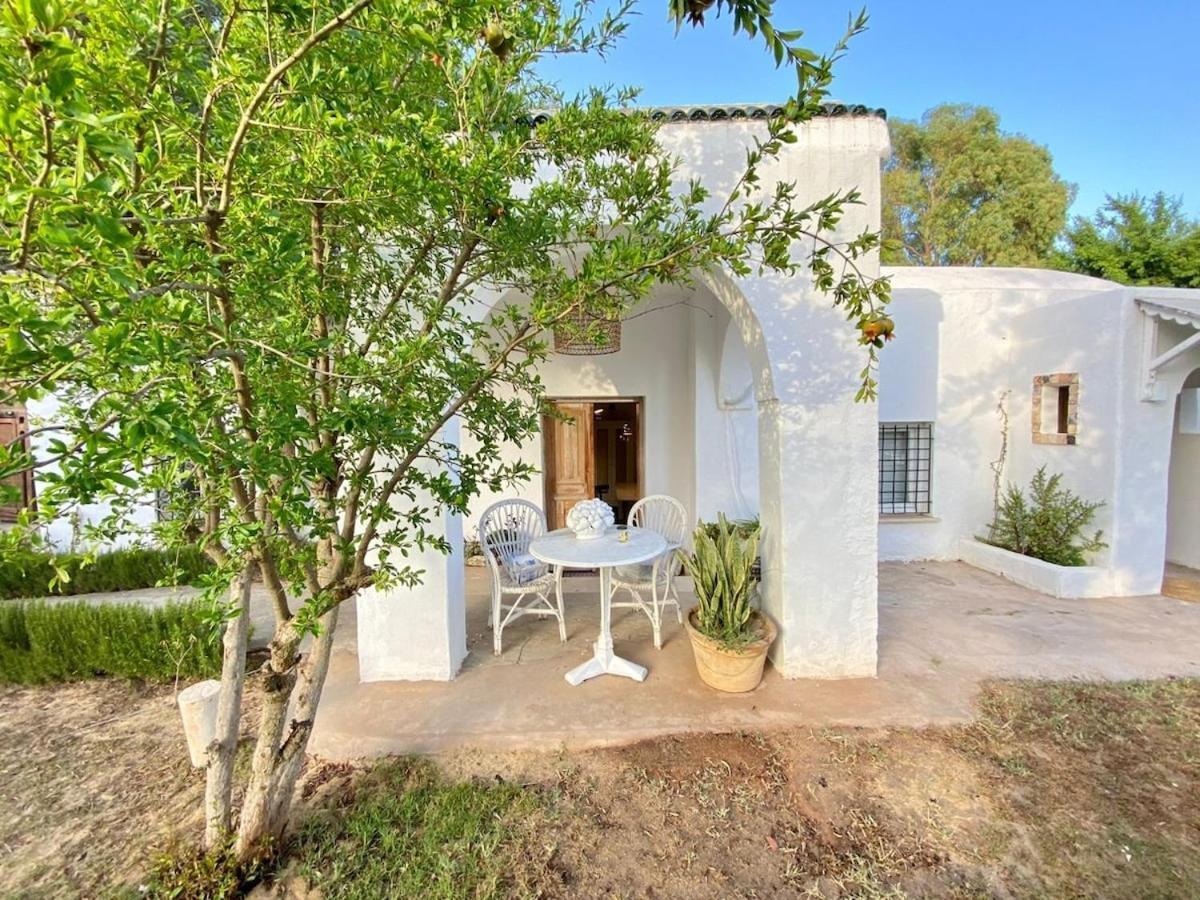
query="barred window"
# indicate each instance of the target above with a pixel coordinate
(905, 460)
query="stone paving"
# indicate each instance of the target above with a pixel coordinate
(944, 627)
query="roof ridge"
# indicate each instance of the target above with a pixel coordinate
(721, 112)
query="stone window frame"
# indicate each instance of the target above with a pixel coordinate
(1069, 380)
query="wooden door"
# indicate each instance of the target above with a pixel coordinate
(568, 460)
(12, 429)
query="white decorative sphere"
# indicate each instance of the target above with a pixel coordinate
(590, 518)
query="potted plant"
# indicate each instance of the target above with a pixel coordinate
(729, 636)
(744, 528)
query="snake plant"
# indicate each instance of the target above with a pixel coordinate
(721, 567)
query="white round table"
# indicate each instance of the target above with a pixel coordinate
(562, 548)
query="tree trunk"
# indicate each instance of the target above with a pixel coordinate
(277, 762)
(308, 697)
(278, 679)
(222, 752)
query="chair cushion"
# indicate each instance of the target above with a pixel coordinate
(523, 568)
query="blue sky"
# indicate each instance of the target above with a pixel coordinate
(1113, 89)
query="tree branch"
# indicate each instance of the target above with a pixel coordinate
(27, 217)
(405, 280)
(239, 136)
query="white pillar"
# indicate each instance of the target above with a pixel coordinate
(419, 633)
(819, 515)
(818, 476)
(1143, 441)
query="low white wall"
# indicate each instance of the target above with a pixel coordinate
(1057, 581)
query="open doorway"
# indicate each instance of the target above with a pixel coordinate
(592, 448)
(13, 429)
(1182, 576)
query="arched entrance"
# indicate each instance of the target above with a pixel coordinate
(1182, 571)
(745, 395)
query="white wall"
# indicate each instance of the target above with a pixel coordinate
(986, 333)
(726, 417)
(69, 531)
(981, 334)
(1183, 519)
(418, 633)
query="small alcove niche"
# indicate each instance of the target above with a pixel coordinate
(1056, 408)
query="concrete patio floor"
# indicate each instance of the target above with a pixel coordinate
(944, 627)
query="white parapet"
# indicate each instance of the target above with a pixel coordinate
(1057, 581)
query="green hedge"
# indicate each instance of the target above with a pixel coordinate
(72, 640)
(28, 573)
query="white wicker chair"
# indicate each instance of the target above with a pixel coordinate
(506, 530)
(668, 517)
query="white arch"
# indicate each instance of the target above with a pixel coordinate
(745, 320)
(1183, 480)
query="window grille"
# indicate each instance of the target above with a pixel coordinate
(905, 461)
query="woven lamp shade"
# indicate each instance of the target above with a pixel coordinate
(588, 334)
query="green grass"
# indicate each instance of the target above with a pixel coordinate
(407, 832)
(69, 641)
(1057, 789)
(32, 573)
(1095, 785)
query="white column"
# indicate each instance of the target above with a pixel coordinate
(818, 477)
(1144, 432)
(419, 633)
(819, 515)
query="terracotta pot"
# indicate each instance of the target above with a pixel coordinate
(733, 671)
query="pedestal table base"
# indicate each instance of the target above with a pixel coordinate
(604, 661)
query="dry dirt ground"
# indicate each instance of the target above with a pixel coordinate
(94, 780)
(1057, 790)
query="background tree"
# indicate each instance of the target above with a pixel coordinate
(1136, 240)
(266, 253)
(957, 191)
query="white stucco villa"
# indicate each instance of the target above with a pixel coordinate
(737, 397)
